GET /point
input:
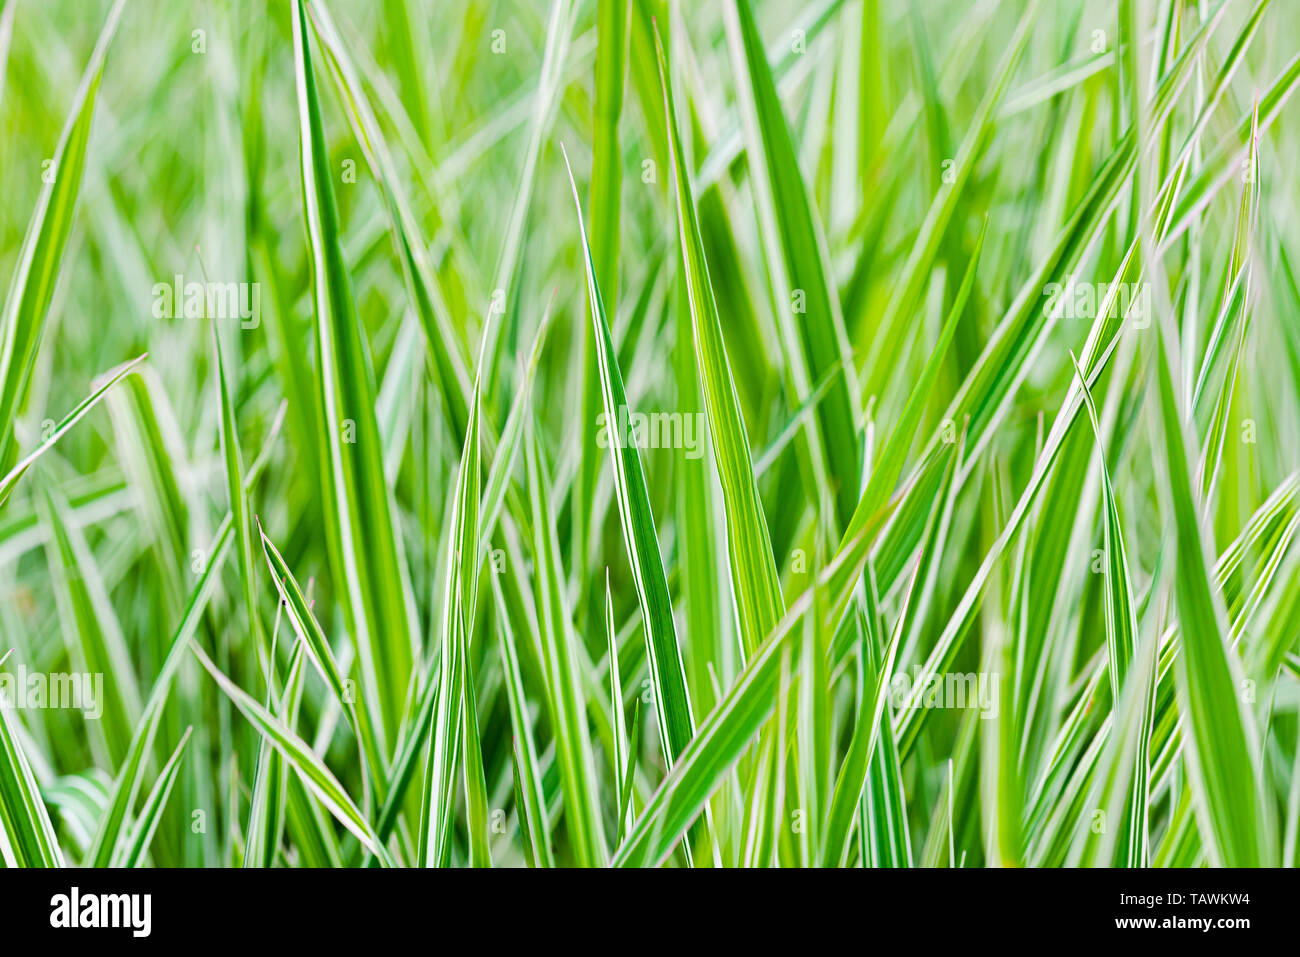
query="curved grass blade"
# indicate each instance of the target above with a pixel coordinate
(27, 303)
(266, 806)
(239, 505)
(299, 755)
(1132, 834)
(1121, 619)
(530, 797)
(20, 469)
(127, 783)
(476, 799)
(460, 591)
(147, 823)
(563, 682)
(612, 22)
(308, 630)
(853, 776)
(958, 625)
(91, 628)
(1223, 761)
(365, 540)
(622, 743)
(889, 466)
(26, 833)
(729, 729)
(754, 577)
(425, 291)
(807, 306)
(672, 702)
(626, 813)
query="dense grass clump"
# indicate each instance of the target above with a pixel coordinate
(638, 432)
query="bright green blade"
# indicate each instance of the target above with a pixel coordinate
(672, 703)
(31, 289)
(1224, 759)
(366, 545)
(753, 569)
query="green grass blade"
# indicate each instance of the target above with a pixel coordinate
(239, 509)
(563, 683)
(366, 541)
(530, 797)
(299, 755)
(755, 583)
(110, 379)
(672, 703)
(28, 834)
(807, 306)
(1223, 760)
(150, 815)
(31, 289)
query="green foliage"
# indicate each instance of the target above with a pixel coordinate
(631, 433)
